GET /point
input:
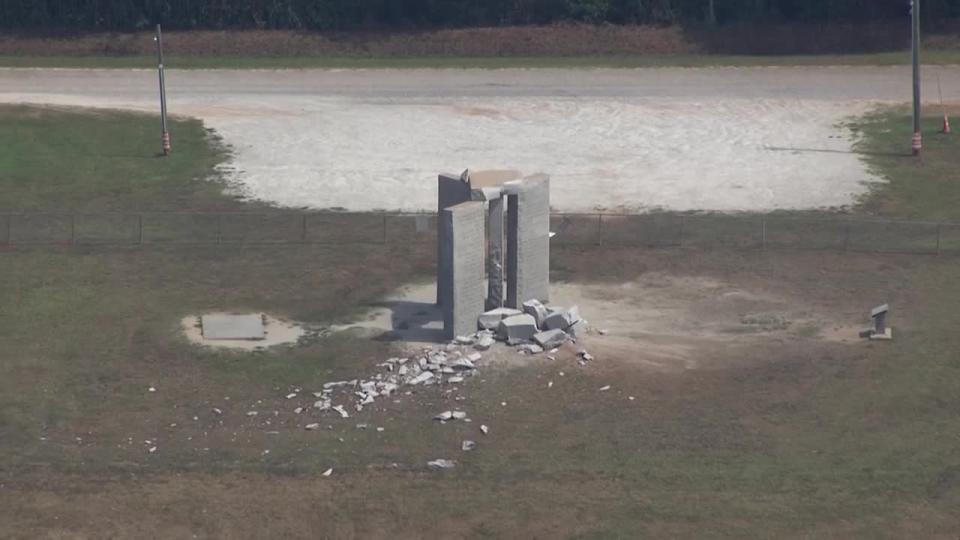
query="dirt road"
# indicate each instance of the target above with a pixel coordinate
(722, 139)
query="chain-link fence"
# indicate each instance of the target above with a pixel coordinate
(333, 228)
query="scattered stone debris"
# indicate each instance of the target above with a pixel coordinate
(440, 464)
(312, 427)
(327, 472)
(467, 446)
(217, 411)
(343, 412)
(484, 429)
(151, 389)
(605, 388)
(529, 348)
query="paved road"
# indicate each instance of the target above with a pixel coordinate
(672, 138)
(826, 83)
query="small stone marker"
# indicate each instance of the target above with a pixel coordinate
(880, 329)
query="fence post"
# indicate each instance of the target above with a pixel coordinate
(939, 237)
(599, 229)
(303, 229)
(384, 228)
(219, 228)
(140, 229)
(73, 230)
(763, 233)
(9, 229)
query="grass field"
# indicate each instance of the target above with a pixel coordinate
(795, 437)
(936, 57)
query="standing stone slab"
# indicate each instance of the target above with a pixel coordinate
(528, 240)
(495, 260)
(463, 264)
(451, 191)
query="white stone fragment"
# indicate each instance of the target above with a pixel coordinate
(327, 472)
(291, 395)
(440, 464)
(312, 427)
(484, 429)
(459, 415)
(444, 416)
(605, 388)
(467, 446)
(343, 412)
(421, 378)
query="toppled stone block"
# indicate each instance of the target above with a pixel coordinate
(562, 319)
(578, 329)
(445, 416)
(537, 310)
(491, 319)
(551, 338)
(517, 328)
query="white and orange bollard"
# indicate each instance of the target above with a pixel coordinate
(946, 125)
(166, 144)
(917, 143)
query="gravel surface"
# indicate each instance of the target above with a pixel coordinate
(722, 139)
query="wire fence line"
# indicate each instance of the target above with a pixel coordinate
(769, 231)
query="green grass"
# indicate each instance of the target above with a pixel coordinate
(809, 440)
(105, 161)
(933, 57)
(923, 188)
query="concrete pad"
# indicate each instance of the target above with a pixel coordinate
(232, 327)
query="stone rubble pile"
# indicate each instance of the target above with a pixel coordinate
(534, 329)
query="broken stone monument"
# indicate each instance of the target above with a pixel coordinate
(493, 246)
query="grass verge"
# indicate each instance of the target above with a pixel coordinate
(937, 57)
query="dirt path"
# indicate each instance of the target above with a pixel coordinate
(722, 139)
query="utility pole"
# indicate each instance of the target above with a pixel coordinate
(917, 144)
(711, 13)
(163, 93)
